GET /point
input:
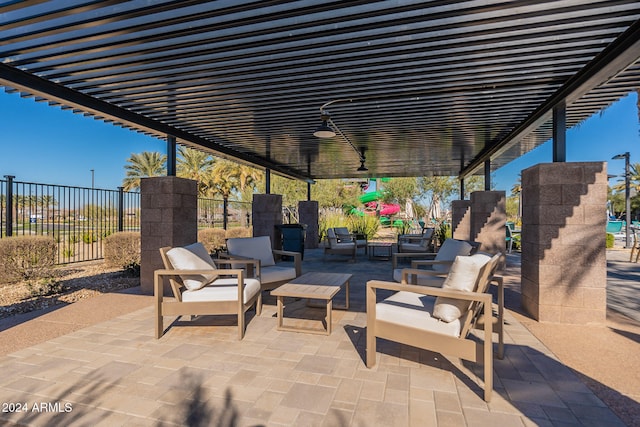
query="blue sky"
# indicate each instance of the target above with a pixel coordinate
(45, 144)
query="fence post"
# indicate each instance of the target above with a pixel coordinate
(9, 202)
(225, 211)
(120, 208)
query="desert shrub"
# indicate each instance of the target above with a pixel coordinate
(122, 250)
(27, 258)
(610, 240)
(73, 238)
(238, 232)
(366, 225)
(212, 238)
(44, 287)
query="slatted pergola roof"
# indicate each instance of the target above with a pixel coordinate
(422, 87)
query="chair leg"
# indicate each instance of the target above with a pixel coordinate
(259, 304)
(241, 324)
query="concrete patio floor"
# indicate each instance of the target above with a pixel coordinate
(104, 367)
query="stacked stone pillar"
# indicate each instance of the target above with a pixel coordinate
(488, 221)
(461, 219)
(308, 214)
(564, 269)
(266, 214)
(168, 217)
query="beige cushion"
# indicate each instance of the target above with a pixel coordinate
(222, 290)
(412, 309)
(192, 257)
(252, 247)
(449, 250)
(462, 277)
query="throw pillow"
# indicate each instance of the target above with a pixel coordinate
(462, 277)
(192, 257)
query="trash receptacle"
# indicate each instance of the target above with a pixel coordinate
(293, 236)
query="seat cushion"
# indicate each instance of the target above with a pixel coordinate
(222, 290)
(422, 279)
(462, 277)
(252, 247)
(413, 247)
(192, 257)
(412, 309)
(277, 273)
(449, 250)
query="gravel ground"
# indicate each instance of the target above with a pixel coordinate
(71, 283)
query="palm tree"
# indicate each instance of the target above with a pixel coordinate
(145, 164)
(195, 165)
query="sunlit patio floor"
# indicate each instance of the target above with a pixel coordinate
(114, 372)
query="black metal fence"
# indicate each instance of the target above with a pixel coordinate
(79, 218)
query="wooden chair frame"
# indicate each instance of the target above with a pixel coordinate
(178, 307)
(462, 347)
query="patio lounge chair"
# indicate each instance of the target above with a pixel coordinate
(333, 246)
(438, 319)
(270, 273)
(201, 288)
(440, 261)
(343, 235)
(412, 243)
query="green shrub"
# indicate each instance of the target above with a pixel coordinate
(366, 225)
(212, 238)
(122, 250)
(238, 232)
(68, 252)
(90, 237)
(330, 220)
(443, 232)
(27, 258)
(73, 238)
(610, 240)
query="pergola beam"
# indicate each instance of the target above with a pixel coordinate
(618, 56)
(38, 87)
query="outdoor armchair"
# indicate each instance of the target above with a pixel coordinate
(270, 273)
(435, 261)
(412, 243)
(334, 246)
(199, 287)
(439, 319)
(343, 235)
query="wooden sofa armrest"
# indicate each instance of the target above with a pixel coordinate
(372, 285)
(421, 255)
(297, 259)
(251, 265)
(406, 272)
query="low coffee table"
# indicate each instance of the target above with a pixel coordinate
(313, 285)
(379, 250)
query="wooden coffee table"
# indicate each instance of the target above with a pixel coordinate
(313, 285)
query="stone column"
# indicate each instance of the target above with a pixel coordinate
(267, 213)
(461, 219)
(168, 217)
(488, 221)
(308, 214)
(564, 266)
